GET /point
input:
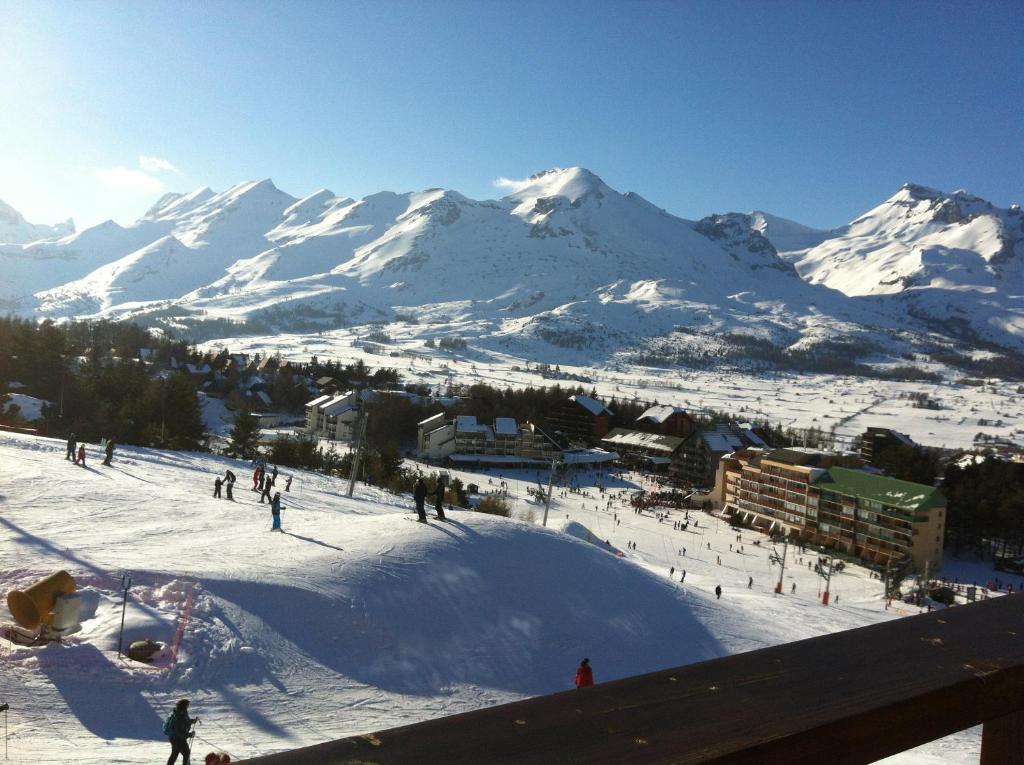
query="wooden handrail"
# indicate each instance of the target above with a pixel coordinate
(841, 699)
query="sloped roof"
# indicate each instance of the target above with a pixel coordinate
(640, 440)
(592, 405)
(902, 495)
(432, 421)
(505, 426)
(318, 401)
(659, 413)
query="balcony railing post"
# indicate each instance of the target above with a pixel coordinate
(1002, 740)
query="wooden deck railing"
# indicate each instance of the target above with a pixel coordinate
(850, 697)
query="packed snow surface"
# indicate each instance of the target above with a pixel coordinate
(356, 618)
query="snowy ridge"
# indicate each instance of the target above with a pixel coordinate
(14, 229)
(563, 261)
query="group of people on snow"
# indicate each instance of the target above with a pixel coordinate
(76, 451)
(419, 495)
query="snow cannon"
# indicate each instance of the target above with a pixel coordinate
(50, 604)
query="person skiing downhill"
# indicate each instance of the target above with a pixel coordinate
(419, 494)
(439, 498)
(72, 445)
(177, 731)
(584, 674)
(275, 511)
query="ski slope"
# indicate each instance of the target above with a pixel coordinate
(356, 618)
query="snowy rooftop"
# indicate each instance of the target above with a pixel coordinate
(591, 405)
(659, 413)
(646, 441)
(318, 401)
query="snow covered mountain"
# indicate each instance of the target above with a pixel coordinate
(954, 260)
(564, 260)
(14, 229)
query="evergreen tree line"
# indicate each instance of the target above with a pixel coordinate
(96, 388)
(986, 507)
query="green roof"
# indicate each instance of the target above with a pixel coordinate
(902, 495)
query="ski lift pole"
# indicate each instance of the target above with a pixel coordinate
(126, 583)
(828, 580)
(547, 499)
(357, 458)
(778, 585)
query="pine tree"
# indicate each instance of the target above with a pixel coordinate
(244, 435)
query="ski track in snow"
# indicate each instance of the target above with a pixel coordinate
(353, 620)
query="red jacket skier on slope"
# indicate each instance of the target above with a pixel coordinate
(584, 674)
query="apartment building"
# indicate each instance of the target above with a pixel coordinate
(333, 417)
(805, 495)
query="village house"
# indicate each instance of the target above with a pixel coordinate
(668, 421)
(463, 440)
(333, 417)
(697, 460)
(579, 418)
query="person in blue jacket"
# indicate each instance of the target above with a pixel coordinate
(177, 729)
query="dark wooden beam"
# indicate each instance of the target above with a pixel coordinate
(843, 699)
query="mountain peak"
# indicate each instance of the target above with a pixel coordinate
(14, 229)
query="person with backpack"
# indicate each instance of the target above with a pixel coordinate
(584, 674)
(177, 728)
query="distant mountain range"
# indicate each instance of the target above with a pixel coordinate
(563, 264)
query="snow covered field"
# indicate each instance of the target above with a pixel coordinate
(843, 405)
(357, 618)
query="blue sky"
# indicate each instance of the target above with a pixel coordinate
(814, 111)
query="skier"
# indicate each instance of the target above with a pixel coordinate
(750, 582)
(216, 487)
(80, 459)
(265, 486)
(288, 484)
(792, 590)
(275, 511)
(229, 480)
(176, 728)
(419, 495)
(110, 451)
(584, 674)
(718, 592)
(439, 498)
(72, 444)
(683, 577)
(256, 480)
(273, 475)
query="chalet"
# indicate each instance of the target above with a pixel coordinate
(667, 420)
(579, 418)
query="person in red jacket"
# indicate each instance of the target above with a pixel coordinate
(584, 674)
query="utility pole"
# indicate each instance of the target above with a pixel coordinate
(358, 456)
(828, 580)
(4, 708)
(547, 500)
(782, 561)
(126, 583)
